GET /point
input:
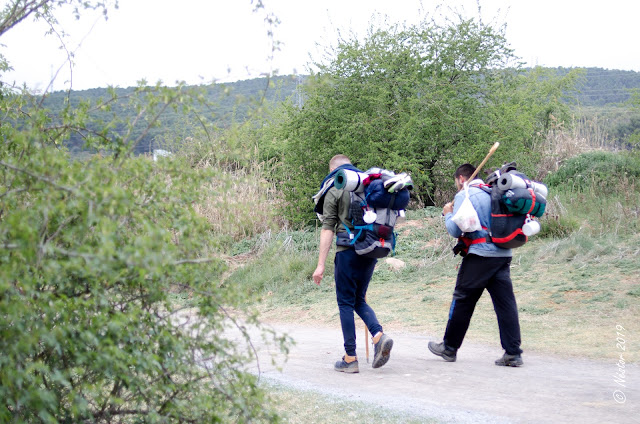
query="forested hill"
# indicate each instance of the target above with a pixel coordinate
(232, 102)
(599, 87)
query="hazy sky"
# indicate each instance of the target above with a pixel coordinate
(202, 40)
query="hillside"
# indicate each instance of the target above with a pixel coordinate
(605, 87)
(598, 88)
(233, 103)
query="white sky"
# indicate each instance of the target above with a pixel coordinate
(201, 40)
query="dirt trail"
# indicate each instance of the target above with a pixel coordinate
(545, 390)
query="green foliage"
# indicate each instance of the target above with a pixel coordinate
(89, 253)
(598, 192)
(94, 253)
(557, 226)
(597, 170)
(629, 132)
(419, 99)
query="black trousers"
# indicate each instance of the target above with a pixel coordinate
(477, 273)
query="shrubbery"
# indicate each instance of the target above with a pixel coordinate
(597, 170)
(92, 254)
(598, 191)
(421, 99)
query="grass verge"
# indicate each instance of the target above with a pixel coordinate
(299, 406)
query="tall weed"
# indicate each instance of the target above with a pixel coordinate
(239, 202)
(559, 145)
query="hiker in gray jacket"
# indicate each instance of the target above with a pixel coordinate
(484, 266)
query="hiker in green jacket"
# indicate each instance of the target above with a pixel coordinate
(352, 272)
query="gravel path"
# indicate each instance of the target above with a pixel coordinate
(472, 390)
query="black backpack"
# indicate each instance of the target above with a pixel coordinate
(515, 199)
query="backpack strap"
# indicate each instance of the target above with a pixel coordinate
(391, 201)
(354, 236)
(465, 242)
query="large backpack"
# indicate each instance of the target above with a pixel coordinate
(515, 200)
(375, 206)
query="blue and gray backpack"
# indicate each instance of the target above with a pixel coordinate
(378, 199)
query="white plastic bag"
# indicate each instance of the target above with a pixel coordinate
(466, 218)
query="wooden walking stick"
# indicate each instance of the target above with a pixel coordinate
(366, 334)
(491, 151)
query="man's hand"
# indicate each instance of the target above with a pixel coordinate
(326, 238)
(317, 274)
(447, 208)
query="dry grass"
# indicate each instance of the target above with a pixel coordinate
(241, 203)
(561, 144)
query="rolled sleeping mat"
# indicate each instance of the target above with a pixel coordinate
(509, 181)
(350, 180)
(520, 201)
(540, 189)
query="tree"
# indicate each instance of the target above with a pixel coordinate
(94, 254)
(631, 131)
(419, 99)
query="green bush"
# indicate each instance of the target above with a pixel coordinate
(89, 255)
(597, 191)
(95, 253)
(420, 99)
(597, 170)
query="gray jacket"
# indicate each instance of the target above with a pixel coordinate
(481, 202)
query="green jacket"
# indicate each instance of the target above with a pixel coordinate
(336, 212)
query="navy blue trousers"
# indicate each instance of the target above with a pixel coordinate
(352, 274)
(477, 273)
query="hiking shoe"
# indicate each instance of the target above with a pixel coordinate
(348, 367)
(443, 351)
(382, 351)
(509, 360)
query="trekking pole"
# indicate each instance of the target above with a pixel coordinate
(491, 151)
(366, 334)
